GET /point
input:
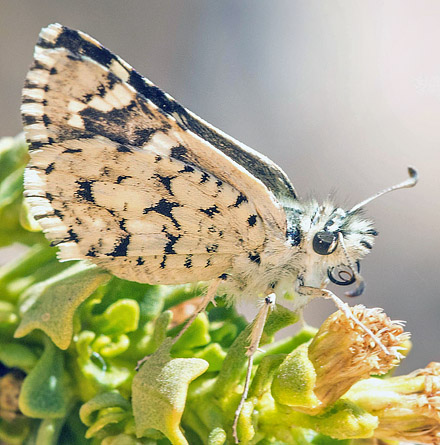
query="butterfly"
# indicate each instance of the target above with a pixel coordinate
(122, 175)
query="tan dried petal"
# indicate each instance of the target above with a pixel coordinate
(182, 311)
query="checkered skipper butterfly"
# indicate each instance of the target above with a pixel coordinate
(124, 176)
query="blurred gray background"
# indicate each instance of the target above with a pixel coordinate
(342, 94)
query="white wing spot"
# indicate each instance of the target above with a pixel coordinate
(75, 106)
(38, 77)
(119, 96)
(100, 104)
(36, 132)
(32, 109)
(33, 93)
(42, 56)
(118, 70)
(51, 33)
(76, 121)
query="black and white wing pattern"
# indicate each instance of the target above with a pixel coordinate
(122, 175)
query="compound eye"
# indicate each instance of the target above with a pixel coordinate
(324, 243)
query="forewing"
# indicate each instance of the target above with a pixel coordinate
(116, 179)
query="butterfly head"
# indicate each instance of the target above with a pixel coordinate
(334, 240)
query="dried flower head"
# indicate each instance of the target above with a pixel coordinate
(343, 353)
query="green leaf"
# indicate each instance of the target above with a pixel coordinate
(17, 355)
(264, 375)
(119, 318)
(23, 269)
(13, 154)
(295, 379)
(343, 420)
(44, 393)
(49, 431)
(11, 188)
(125, 439)
(51, 304)
(105, 423)
(319, 439)
(159, 392)
(15, 431)
(89, 411)
(149, 298)
(214, 355)
(236, 359)
(159, 332)
(102, 373)
(8, 319)
(195, 336)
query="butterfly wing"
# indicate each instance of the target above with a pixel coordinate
(124, 176)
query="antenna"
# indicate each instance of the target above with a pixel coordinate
(410, 182)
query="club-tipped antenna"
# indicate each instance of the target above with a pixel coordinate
(410, 182)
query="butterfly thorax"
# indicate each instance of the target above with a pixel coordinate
(310, 254)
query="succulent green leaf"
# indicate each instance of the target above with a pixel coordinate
(8, 319)
(13, 155)
(51, 304)
(245, 426)
(214, 355)
(14, 432)
(344, 420)
(149, 298)
(153, 342)
(195, 336)
(17, 355)
(11, 188)
(119, 318)
(49, 431)
(22, 268)
(95, 367)
(44, 393)
(295, 379)
(264, 375)
(90, 410)
(105, 420)
(288, 344)
(236, 359)
(126, 439)
(319, 439)
(159, 392)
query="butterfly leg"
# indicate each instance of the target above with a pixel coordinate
(207, 298)
(254, 339)
(345, 309)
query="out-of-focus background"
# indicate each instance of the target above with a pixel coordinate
(342, 94)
